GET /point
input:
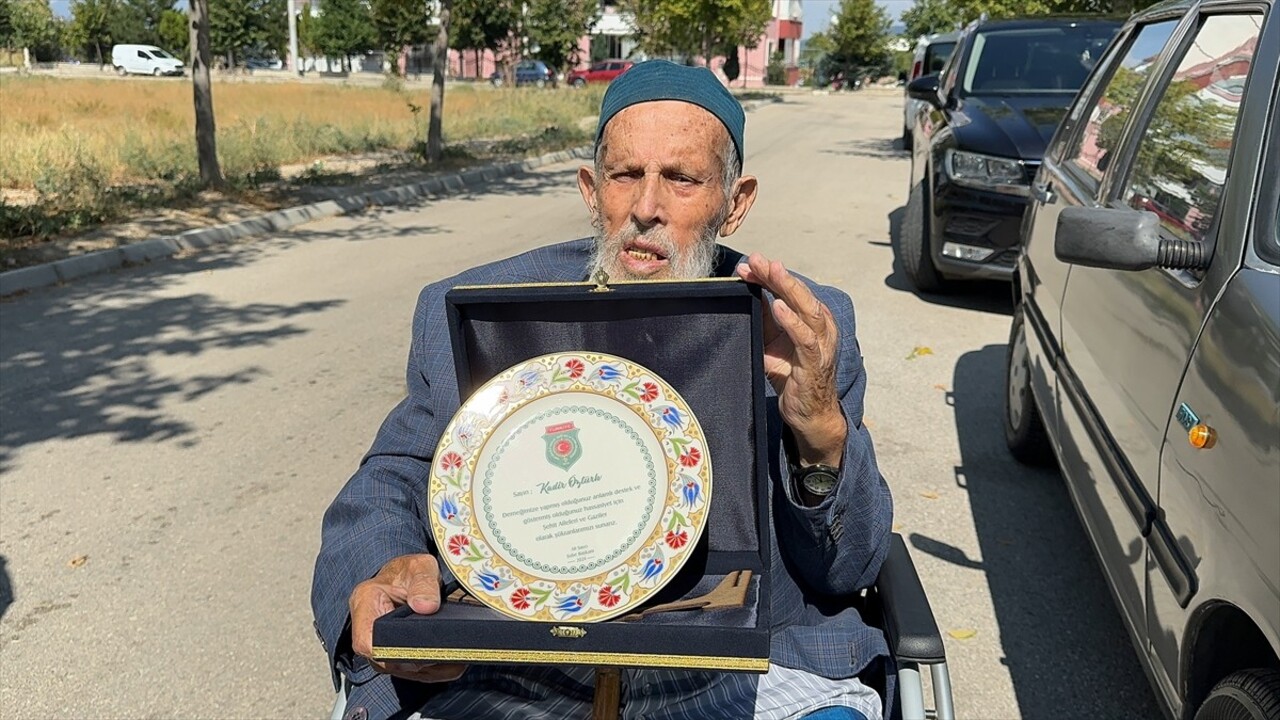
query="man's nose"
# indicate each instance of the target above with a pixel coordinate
(648, 209)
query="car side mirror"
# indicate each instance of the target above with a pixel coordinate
(925, 88)
(1122, 239)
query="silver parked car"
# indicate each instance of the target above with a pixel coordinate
(932, 52)
(1144, 353)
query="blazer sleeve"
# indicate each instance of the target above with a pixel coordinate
(839, 545)
(381, 513)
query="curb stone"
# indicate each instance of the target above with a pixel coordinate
(58, 272)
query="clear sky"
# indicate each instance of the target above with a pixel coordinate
(817, 13)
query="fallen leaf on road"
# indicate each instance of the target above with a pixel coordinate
(919, 351)
(896, 527)
(943, 388)
(929, 495)
(77, 561)
(962, 633)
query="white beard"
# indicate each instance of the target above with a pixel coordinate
(697, 261)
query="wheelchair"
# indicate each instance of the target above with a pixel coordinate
(898, 606)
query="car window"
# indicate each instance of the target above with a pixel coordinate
(935, 56)
(1036, 60)
(142, 54)
(1091, 148)
(1181, 161)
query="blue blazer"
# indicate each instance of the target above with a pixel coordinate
(820, 553)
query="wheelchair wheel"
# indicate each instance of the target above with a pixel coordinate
(1244, 695)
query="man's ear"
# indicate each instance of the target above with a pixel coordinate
(741, 200)
(587, 186)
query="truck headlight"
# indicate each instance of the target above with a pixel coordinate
(986, 172)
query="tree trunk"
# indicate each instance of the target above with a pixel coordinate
(206, 135)
(435, 131)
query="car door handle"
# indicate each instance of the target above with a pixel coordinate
(1043, 193)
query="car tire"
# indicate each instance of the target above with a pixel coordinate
(155, 72)
(914, 253)
(579, 83)
(1243, 695)
(1024, 431)
(496, 82)
(906, 138)
(541, 83)
(121, 71)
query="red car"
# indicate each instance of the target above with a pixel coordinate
(603, 71)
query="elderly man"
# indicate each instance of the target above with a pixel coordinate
(666, 183)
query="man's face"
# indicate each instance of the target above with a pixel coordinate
(658, 199)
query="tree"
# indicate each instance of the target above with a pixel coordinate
(174, 35)
(89, 32)
(698, 27)
(137, 21)
(930, 16)
(556, 27)
(344, 28)
(926, 17)
(860, 33)
(481, 25)
(32, 28)
(206, 131)
(400, 24)
(244, 28)
(439, 60)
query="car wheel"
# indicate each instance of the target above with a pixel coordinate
(541, 83)
(1244, 695)
(1023, 427)
(914, 246)
(496, 82)
(578, 83)
(121, 71)
(155, 73)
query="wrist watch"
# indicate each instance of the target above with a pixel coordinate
(816, 481)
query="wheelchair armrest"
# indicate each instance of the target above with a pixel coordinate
(908, 620)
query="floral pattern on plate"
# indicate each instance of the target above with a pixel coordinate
(685, 489)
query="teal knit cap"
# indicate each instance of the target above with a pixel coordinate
(663, 80)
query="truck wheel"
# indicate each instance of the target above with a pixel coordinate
(121, 71)
(1244, 695)
(1023, 427)
(917, 261)
(155, 73)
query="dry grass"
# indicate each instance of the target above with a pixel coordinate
(56, 133)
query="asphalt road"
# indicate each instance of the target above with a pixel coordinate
(170, 435)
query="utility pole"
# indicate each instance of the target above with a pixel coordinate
(293, 41)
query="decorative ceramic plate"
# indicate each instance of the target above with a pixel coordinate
(570, 487)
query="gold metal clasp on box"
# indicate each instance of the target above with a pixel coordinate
(602, 281)
(564, 631)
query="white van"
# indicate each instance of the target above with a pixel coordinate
(144, 60)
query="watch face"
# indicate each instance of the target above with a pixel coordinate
(820, 483)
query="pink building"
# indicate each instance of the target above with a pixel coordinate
(614, 37)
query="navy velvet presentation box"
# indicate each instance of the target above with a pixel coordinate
(704, 338)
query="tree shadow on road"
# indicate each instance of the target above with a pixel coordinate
(1064, 644)
(76, 360)
(988, 296)
(6, 587)
(879, 148)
